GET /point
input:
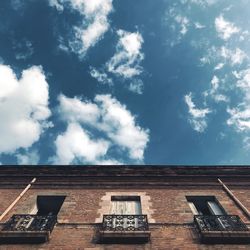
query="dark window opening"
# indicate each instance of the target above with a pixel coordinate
(49, 204)
(205, 205)
(126, 198)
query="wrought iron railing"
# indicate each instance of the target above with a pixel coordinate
(125, 223)
(206, 223)
(28, 222)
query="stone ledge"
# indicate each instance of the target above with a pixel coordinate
(225, 237)
(124, 237)
(19, 237)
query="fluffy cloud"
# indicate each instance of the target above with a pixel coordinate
(225, 28)
(197, 116)
(23, 108)
(28, 158)
(94, 24)
(128, 56)
(77, 145)
(97, 128)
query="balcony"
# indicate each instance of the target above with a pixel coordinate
(216, 229)
(26, 228)
(127, 229)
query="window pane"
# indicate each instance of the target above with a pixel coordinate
(214, 208)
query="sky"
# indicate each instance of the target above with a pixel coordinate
(124, 82)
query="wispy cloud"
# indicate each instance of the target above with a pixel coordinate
(125, 64)
(214, 92)
(183, 22)
(101, 76)
(197, 117)
(136, 86)
(236, 56)
(23, 49)
(240, 115)
(128, 56)
(94, 22)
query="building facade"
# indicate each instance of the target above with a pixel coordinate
(124, 207)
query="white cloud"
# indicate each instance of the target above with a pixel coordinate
(104, 124)
(183, 22)
(239, 118)
(23, 108)
(28, 158)
(243, 82)
(197, 116)
(225, 28)
(219, 66)
(214, 91)
(75, 110)
(58, 4)
(198, 25)
(136, 86)
(23, 49)
(202, 3)
(100, 76)
(128, 56)
(240, 115)
(94, 23)
(121, 128)
(236, 56)
(77, 145)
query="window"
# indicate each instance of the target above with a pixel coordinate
(49, 204)
(125, 222)
(33, 228)
(125, 205)
(205, 205)
(213, 224)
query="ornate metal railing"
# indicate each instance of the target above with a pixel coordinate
(125, 223)
(206, 223)
(28, 222)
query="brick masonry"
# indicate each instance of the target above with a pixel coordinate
(169, 214)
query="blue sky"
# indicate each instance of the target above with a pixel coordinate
(124, 82)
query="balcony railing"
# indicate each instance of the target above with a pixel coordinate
(28, 222)
(27, 228)
(125, 223)
(124, 229)
(221, 229)
(219, 223)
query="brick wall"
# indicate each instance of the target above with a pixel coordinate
(162, 238)
(172, 228)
